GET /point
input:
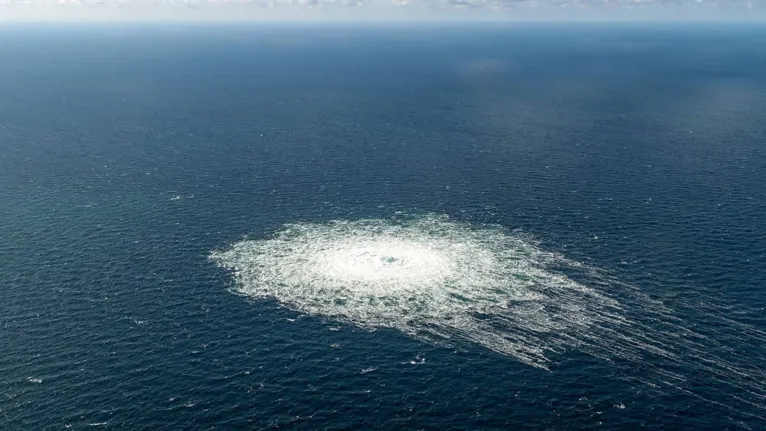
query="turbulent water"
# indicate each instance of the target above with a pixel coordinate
(446, 282)
(428, 277)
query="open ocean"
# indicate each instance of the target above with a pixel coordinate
(625, 161)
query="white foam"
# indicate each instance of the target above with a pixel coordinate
(448, 283)
(428, 277)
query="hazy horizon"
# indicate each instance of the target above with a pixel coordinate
(382, 10)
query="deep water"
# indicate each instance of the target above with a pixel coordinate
(129, 153)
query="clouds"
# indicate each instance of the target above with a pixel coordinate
(386, 9)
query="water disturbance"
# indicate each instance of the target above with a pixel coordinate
(448, 283)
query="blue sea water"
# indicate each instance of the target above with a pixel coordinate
(128, 153)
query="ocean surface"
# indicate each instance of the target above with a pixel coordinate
(625, 161)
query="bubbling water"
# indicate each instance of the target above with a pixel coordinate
(448, 283)
(429, 277)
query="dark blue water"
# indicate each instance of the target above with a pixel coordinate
(128, 153)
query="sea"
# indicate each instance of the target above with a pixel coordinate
(627, 159)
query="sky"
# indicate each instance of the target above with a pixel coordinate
(382, 10)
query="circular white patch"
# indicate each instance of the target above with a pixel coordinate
(428, 277)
